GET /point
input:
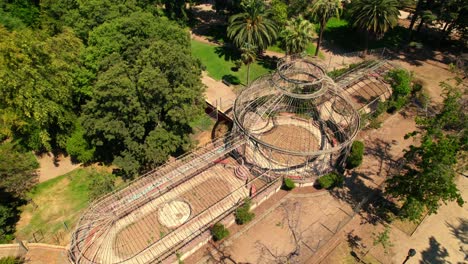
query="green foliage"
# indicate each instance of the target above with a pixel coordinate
(100, 184)
(400, 80)
(147, 91)
(243, 214)
(375, 16)
(175, 9)
(7, 222)
(279, 12)
(355, 156)
(339, 72)
(288, 184)
(19, 14)
(322, 11)
(219, 232)
(429, 179)
(78, 147)
(297, 35)
(17, 170)
(383, 239)
(37, 86)
(11, 260)
(253, 26)
(331, 180)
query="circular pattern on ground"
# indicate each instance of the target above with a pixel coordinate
(174, 213)
(291, 138)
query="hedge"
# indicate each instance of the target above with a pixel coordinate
(355, 156)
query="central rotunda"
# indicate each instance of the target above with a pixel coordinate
(297, 123)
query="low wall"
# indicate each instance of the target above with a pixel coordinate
(37, 253)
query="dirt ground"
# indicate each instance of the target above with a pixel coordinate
(311, 217)
(51, 166)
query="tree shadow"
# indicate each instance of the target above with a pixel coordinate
(368, 200)
(228, 52)
(435, 254)
(461, 233)
(10, 208)
(268, 62)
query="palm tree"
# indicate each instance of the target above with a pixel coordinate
(297, 34)
(375, 17)
(253, 26)
(323, 10)
(248, 56)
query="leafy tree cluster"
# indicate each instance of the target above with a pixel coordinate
(451, 15)
(243, 214)
(17, 176)
(429, 178)
(288, 184)
(104, 80)
(331, 180)
(355, 155)
(401, 82)
(219, 232)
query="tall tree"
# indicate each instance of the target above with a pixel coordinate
(17, 170)
(297, 34)
(147, 91)
(253, 26)
(375, 17)
(322, 11)
(37, 83)
(248, 56)
(429, 178)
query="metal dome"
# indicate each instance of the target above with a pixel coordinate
(295, 117)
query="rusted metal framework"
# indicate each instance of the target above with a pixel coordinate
(296, 122)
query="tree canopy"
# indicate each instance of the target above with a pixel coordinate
(37, 86)
(429, 178)
(147, 91)
(253, 26)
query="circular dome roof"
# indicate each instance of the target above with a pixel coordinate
(297, 110)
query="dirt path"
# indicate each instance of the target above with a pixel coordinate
(51, 166)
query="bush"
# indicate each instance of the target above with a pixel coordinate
(243, 214)
(331, 180)
(11, 260)
(219, 231)
(355, 156)
(400, 80)
(288, 184)
(100, 184)
(77, 146)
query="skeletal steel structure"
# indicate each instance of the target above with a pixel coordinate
(294, 123)
(297, 122)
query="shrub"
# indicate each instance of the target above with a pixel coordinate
(219, 231)
(243, 214)
(355, 156)
(100, 184)
(288, 184)
(11, 260)
(331, 180)
(400, 80)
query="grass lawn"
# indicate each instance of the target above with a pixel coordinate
(219, 62)
(59, 200)
(341, 33)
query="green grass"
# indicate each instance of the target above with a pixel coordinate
(59, 200)
(203, 123)
(219, 62)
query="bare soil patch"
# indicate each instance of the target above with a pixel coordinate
(51, 166)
